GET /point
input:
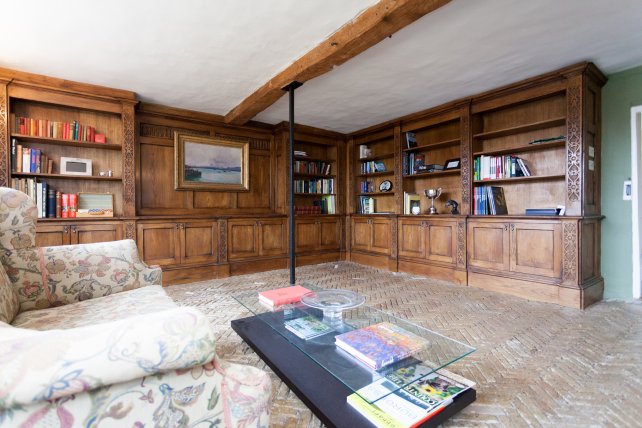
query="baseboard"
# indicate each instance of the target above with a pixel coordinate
(447, 274)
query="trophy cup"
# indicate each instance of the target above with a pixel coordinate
(432, 194)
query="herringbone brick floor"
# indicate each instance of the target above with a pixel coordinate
(536, 364)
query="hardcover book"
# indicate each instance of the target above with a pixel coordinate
(282, 296)
(307, 327)
(380, 344)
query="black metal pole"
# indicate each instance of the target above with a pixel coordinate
(290, 88)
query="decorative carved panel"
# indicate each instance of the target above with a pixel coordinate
(461, 243)
(130, 230)
(255, 143)
(4, 144)
(393, 238)
(129, 161)
(569, 261)
(222, 247)
(465, 160)
(398, 175)
(574, 144)
(166, 132)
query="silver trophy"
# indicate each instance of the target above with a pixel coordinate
(432, 194)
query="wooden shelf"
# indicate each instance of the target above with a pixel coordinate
(378, 157)
(309, 159)
(518, 179)
(376, 194)
(314, 194)
(529, 148)
(374, 174)
(65, 177)
(433, 174)
(521, 128)
(304, 175)
(433, 145)
(70, 143)
(77, 219)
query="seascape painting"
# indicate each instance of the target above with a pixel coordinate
(204, 163)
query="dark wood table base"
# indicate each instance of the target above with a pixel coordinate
(324, 394)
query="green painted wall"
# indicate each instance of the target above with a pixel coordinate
(622, 91)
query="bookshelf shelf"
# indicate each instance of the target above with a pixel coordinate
(376, 194)
(65, 177)
(518, 179)
(70, 143)
(523, 149)
(314, 194)
(435, 145)
(312, 159)
(433, 174)
(534, 126)
(374, 174)
(303, 175)
(378, 157)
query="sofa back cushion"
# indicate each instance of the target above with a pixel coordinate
(17, 220)
(9, 304)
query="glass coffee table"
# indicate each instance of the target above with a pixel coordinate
(323, 375)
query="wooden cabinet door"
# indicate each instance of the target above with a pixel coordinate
(412, 242)
(159, 243)
(380, 239)
(330, 234)
(307, 234)
(49, 235)
(489, 245)
(361, 234)
(199, 242)
(92, 233)
(242, 239)
(273, 237)
(536, 248)
(441, 241)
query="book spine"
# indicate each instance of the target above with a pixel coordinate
(73, 205)
(51, 203)
(58, 205)
(64, 205)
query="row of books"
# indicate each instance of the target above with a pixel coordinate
(497, 167)
(364, 151)
(366, 186)
(413, 163)
(59, 130)
(312, 167)
(317, 185)
(49, 202)
(489, 200)
(325, 205)
(372, 166)
(410, 201)
(411, 140)
(25, 159)
(366, 205)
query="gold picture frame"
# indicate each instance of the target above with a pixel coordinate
(210, 163)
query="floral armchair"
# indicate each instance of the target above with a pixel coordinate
(88, 337)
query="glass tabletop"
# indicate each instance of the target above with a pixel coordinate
(439, 352)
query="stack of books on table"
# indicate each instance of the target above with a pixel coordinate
(282, 296)
(407, 397)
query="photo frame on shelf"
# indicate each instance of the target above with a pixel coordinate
(210, 163)
(95, 205)
(452, 164)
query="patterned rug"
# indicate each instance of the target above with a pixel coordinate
(536, 364)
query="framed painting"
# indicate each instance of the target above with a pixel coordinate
(208, 163)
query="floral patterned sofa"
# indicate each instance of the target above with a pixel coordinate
(88, 337)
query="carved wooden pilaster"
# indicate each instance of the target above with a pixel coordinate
(465, 161)
(461, 244)
(398, 174)
(574, 147)
(4, 135)
(129, 161)
(222, 242)
(167, 132)
(130, 230)
(570, 253)
(393, 238)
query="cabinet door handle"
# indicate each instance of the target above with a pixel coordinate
(65, 229)
(74, 229)
(178, 225)
(182, 225)
(512, 227)
(506, 227)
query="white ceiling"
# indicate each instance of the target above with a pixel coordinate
(208, 56)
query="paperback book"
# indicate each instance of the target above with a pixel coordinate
(282, 296)
(307, 327)
(380, 344)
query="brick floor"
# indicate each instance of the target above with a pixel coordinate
(536, 364)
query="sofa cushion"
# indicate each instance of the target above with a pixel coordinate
(17, 220)
(117, 306)
(9, 303)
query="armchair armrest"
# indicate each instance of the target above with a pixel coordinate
(44, 365)
(55, 276)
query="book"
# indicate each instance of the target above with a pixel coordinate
(406, 405)
(497, 201)
(542, 211)
(410, 200)
(73, 204)
(419, 162)
(411, 140)
(381, 344)
(307, 327)
(282, 296)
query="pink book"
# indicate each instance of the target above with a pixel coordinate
(282, 296)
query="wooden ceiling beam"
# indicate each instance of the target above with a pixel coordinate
(366, 30)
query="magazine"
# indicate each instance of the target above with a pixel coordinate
(307, 327)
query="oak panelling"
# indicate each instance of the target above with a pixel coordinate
(157, 178)
(381, 236)
(199, 242)
(49, 235)
(412, 238)
(85, 233)
(536, 248)
(590, 249)
(330, 234)
(221, 200)
(273, 237)
(25, 92)
(307, 234)
(489, 245)
(242, 239)
(159, 243)
(260, 184)
(361, 234)
(441, 240)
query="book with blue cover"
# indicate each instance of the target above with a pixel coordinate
(380, 344)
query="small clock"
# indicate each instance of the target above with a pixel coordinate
(385, 186)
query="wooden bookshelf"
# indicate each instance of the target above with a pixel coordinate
(70, 143)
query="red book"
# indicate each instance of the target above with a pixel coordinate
(283, 296)
(73, 204)
(65, 205)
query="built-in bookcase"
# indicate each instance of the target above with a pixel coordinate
(374, 162)
(535, 131)
(437, 141)
(315, 175)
